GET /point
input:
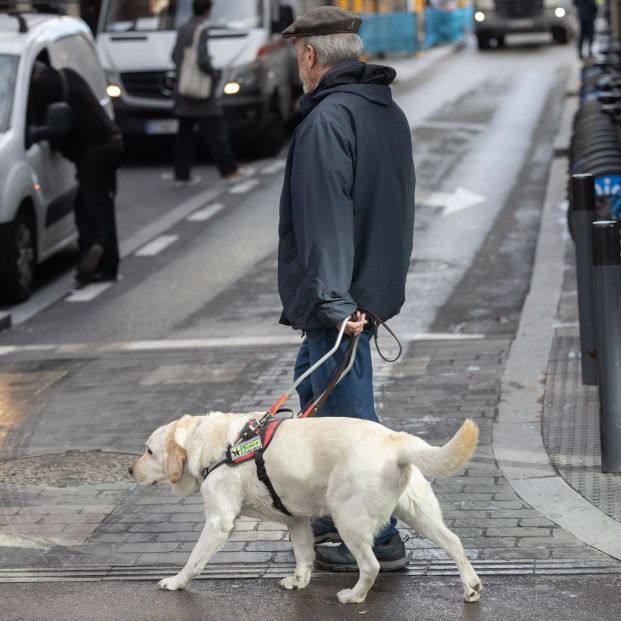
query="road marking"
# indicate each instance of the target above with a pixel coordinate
(88, 293)
(244, 186)
(233, 341)
(452, 202)
(274, 167)
(450, 125)
(157, 245)
(206, 212)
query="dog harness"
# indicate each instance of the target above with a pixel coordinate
(252, 442)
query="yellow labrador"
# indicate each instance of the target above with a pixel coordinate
(359, 472)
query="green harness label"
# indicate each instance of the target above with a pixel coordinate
(250, 446)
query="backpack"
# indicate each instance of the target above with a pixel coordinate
(193, 82)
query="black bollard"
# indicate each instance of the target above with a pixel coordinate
(583, 212)
(607, 304)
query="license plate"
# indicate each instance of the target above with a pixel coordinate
(161, 126)
(522, 23)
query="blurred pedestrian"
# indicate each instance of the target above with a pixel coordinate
(346, 227)
(587, 12)
(204, 112)
(95, 144)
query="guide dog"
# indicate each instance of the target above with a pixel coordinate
(359, 472)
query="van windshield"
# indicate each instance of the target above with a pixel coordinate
(8, 67)
(151, 15)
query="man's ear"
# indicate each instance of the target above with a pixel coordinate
(175, 458)
(311, 55)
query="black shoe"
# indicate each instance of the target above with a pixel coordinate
(324, 530)
(90, 260)
(391, 556)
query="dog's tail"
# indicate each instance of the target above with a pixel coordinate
(438, 461)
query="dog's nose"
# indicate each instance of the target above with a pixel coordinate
(130, 470)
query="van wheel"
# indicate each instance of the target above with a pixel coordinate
(483, 41)
(560, 35)
(271, 138)
(17, 281)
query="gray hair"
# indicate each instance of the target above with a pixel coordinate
(335, 48)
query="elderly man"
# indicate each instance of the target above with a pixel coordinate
(346, 226)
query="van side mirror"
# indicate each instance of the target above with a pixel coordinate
(285, 18)
(59, 118)
(58, 122)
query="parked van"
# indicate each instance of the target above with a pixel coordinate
(37, 185)
(494, 19)
(259, 84)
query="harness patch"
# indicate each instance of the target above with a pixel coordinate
(243, 449)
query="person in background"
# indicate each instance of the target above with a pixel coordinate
(587, 12)
(206, 113)
(346, 229)
(94, 143)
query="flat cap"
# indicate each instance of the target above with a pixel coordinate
(324, 20)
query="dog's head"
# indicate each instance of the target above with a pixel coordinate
(165, 458)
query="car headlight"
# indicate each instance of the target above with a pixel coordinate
(243, 79)
(559, 12)
(113, 85)
(479, 16)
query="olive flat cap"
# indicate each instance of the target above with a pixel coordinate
(324, 20)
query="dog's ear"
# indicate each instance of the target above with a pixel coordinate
(175, 457)
(182, 428)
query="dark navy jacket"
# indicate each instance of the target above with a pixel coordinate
(347, 204)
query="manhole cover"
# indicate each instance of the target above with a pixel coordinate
(67, 469)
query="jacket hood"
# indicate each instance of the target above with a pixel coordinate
(352, 76)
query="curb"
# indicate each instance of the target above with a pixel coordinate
(517, 440)
(5, 321)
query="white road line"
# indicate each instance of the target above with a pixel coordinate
(205, 213)
(244, 186)
(88, 293)
(157, 245)
(274, 167)
(233, 341)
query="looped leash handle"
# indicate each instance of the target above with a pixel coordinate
(376, 322)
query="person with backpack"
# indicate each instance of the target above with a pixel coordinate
(196, 108)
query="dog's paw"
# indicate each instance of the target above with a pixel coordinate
(171, 584)
(289, 583)
(347, 596)
(473, 592)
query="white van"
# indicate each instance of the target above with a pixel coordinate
(259, 83)
(37, 185)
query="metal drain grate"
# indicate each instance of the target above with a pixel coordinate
(67, 469)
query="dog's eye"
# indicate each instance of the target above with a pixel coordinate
(149, 452)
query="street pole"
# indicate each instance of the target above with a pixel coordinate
(607, 303)
(583, 213)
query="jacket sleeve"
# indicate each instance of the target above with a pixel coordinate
(204, 61)
(323, 217)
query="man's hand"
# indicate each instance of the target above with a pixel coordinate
(355, 324)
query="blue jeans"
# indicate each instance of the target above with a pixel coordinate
(352, 397)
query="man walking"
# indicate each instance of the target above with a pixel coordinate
(587, 12)
(206, 112)
(346, 226)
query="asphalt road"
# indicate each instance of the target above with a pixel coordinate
(517, 598)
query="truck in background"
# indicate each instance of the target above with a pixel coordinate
(494, 19)
(259, 84)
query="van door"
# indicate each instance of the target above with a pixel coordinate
(54, 179)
